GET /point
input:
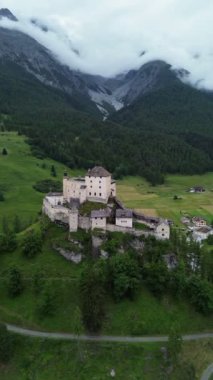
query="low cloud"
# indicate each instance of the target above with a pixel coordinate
(111, 35)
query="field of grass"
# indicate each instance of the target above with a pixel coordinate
(46, 360)
(19, 171)
(136, 193)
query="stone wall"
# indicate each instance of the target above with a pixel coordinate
(84, 222)
(99, 223)
(132, 231)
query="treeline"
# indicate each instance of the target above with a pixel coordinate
(143, 145)
(125, 274)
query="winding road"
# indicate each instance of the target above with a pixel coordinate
(101, 338)
(207, 373)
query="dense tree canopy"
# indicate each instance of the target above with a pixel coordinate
(169, 131)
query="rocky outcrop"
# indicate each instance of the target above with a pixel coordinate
(69, 255)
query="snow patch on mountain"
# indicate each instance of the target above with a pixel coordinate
(105, 97)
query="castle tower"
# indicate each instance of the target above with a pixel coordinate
(73, 220)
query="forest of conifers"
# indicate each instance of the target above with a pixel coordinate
(168, 131)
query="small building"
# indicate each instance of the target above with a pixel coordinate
(162, 230)
(99, 219)
(198, 221)
(124, 218)
(53, 207)
(185, 220)
(197, 189)
(202, 233)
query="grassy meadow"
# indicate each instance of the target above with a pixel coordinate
(46, 360)
(19, 171)
(136, 193)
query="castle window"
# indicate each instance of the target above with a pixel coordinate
(99, 187)
(100, 194)
(95, 194)
(90, 194)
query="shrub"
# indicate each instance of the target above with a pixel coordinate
(4, 152)
(156, 277)
(6, 344)
(2, 198)
(200, 293)
(38, 282)
(14, 282)
(48, 301)
(8, 242)
(53, 171)
(32, 244)
(125, 275)
(48, 185)
(92, 298)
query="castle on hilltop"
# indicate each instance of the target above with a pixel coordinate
(90, 202)
(96, 186)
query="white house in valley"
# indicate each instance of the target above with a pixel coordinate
(96, 188)
(202, 233)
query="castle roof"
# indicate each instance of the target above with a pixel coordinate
(124, 213)
(204, 230)
(104, 213)
(98, 171)
(54, 194)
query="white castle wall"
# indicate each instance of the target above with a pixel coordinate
(98, 188)
(98, 223)
(124, 222)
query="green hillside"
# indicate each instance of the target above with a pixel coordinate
(19, 172)
(166, 133)
(136, 193)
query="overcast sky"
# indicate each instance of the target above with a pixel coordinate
(111, 34)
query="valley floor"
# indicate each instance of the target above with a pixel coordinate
(136, 193)
(20, 171)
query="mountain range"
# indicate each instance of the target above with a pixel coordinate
(151, 114)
